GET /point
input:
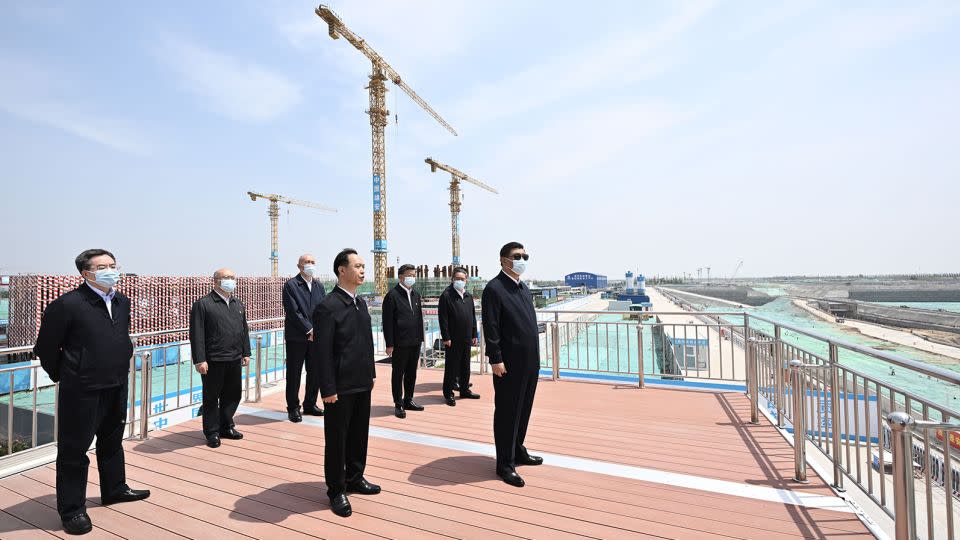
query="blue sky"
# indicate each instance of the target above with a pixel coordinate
(800, 137)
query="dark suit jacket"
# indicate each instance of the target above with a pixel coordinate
(458, 316)
(510, 324)
(80, 344)
(218, 332)
(343, 335)
(298, 305)
(402, 325)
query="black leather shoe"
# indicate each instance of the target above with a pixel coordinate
(399, 412)
(450, 401)
(512, 478)
(127, 495)
(469, 395)
(78, 524)
(231, 434)
(294, 415)
(340, 505)
(530, 460)
(363, 487)
(312, 410)
(213, 441)
(411, 405)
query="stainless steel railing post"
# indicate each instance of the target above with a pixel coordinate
(902, 427)
(835, 416)
(753, 380)
(146, 373)
(10, 417)
(555, 350)
(780, 368)
(640, 352)
(258, 385)
(904, 509)
(799, 423)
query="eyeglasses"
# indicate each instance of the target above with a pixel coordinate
(518, 256)
(103, 267)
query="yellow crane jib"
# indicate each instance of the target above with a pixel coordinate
(456, 176)
(273, 211)
(380, 71)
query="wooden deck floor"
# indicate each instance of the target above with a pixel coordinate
(270, 484)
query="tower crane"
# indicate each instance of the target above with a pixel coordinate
(735, 270)
(456, 176)
(708, 275)
(699, 273)
(380, 72)
(274, 212)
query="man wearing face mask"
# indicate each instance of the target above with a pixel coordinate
(513, 348)
(84, 344)
(220, 345)
(403, 333)
(301, 295)
(458, 330)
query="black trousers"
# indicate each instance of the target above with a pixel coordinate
(298, 356)
(456, 366)
(404, 376)
(222, 391)
(346, 426)
(83, 414)
(513, 402)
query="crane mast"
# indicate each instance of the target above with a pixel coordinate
(456, 176)
(273, 212)
(380, 72)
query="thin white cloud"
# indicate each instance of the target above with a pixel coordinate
(235, 88)
(91, 127)
(569, 147)
(611, 63)
(37, 95)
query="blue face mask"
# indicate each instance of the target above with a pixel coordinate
(108, 277)
(519, 266)
(460, 285)
(309, 270)
(409, 281)
(228, 285)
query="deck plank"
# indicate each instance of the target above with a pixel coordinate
(270, 484)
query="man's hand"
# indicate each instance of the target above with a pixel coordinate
(475, 342)
(245, 361)
(330, 399)
(447, 343)
(498, 369)
(310, 335)
(389, 351)
(202, 368)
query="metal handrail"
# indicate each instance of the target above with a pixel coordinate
(940, 373)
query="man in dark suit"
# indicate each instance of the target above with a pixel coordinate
(458, 330)
(84, 344)
(403, 333)
(220, 346)
(301, 295)
(513, 347)
(343, 353)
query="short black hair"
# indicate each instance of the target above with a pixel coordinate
(405, 268)
(508, 247)
(342, 259)
(83, 259)
(459, 270)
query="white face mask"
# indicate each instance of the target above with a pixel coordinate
(309, 270)
(460, 285)
(519, 266)
(228, 285)
(409, 281)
